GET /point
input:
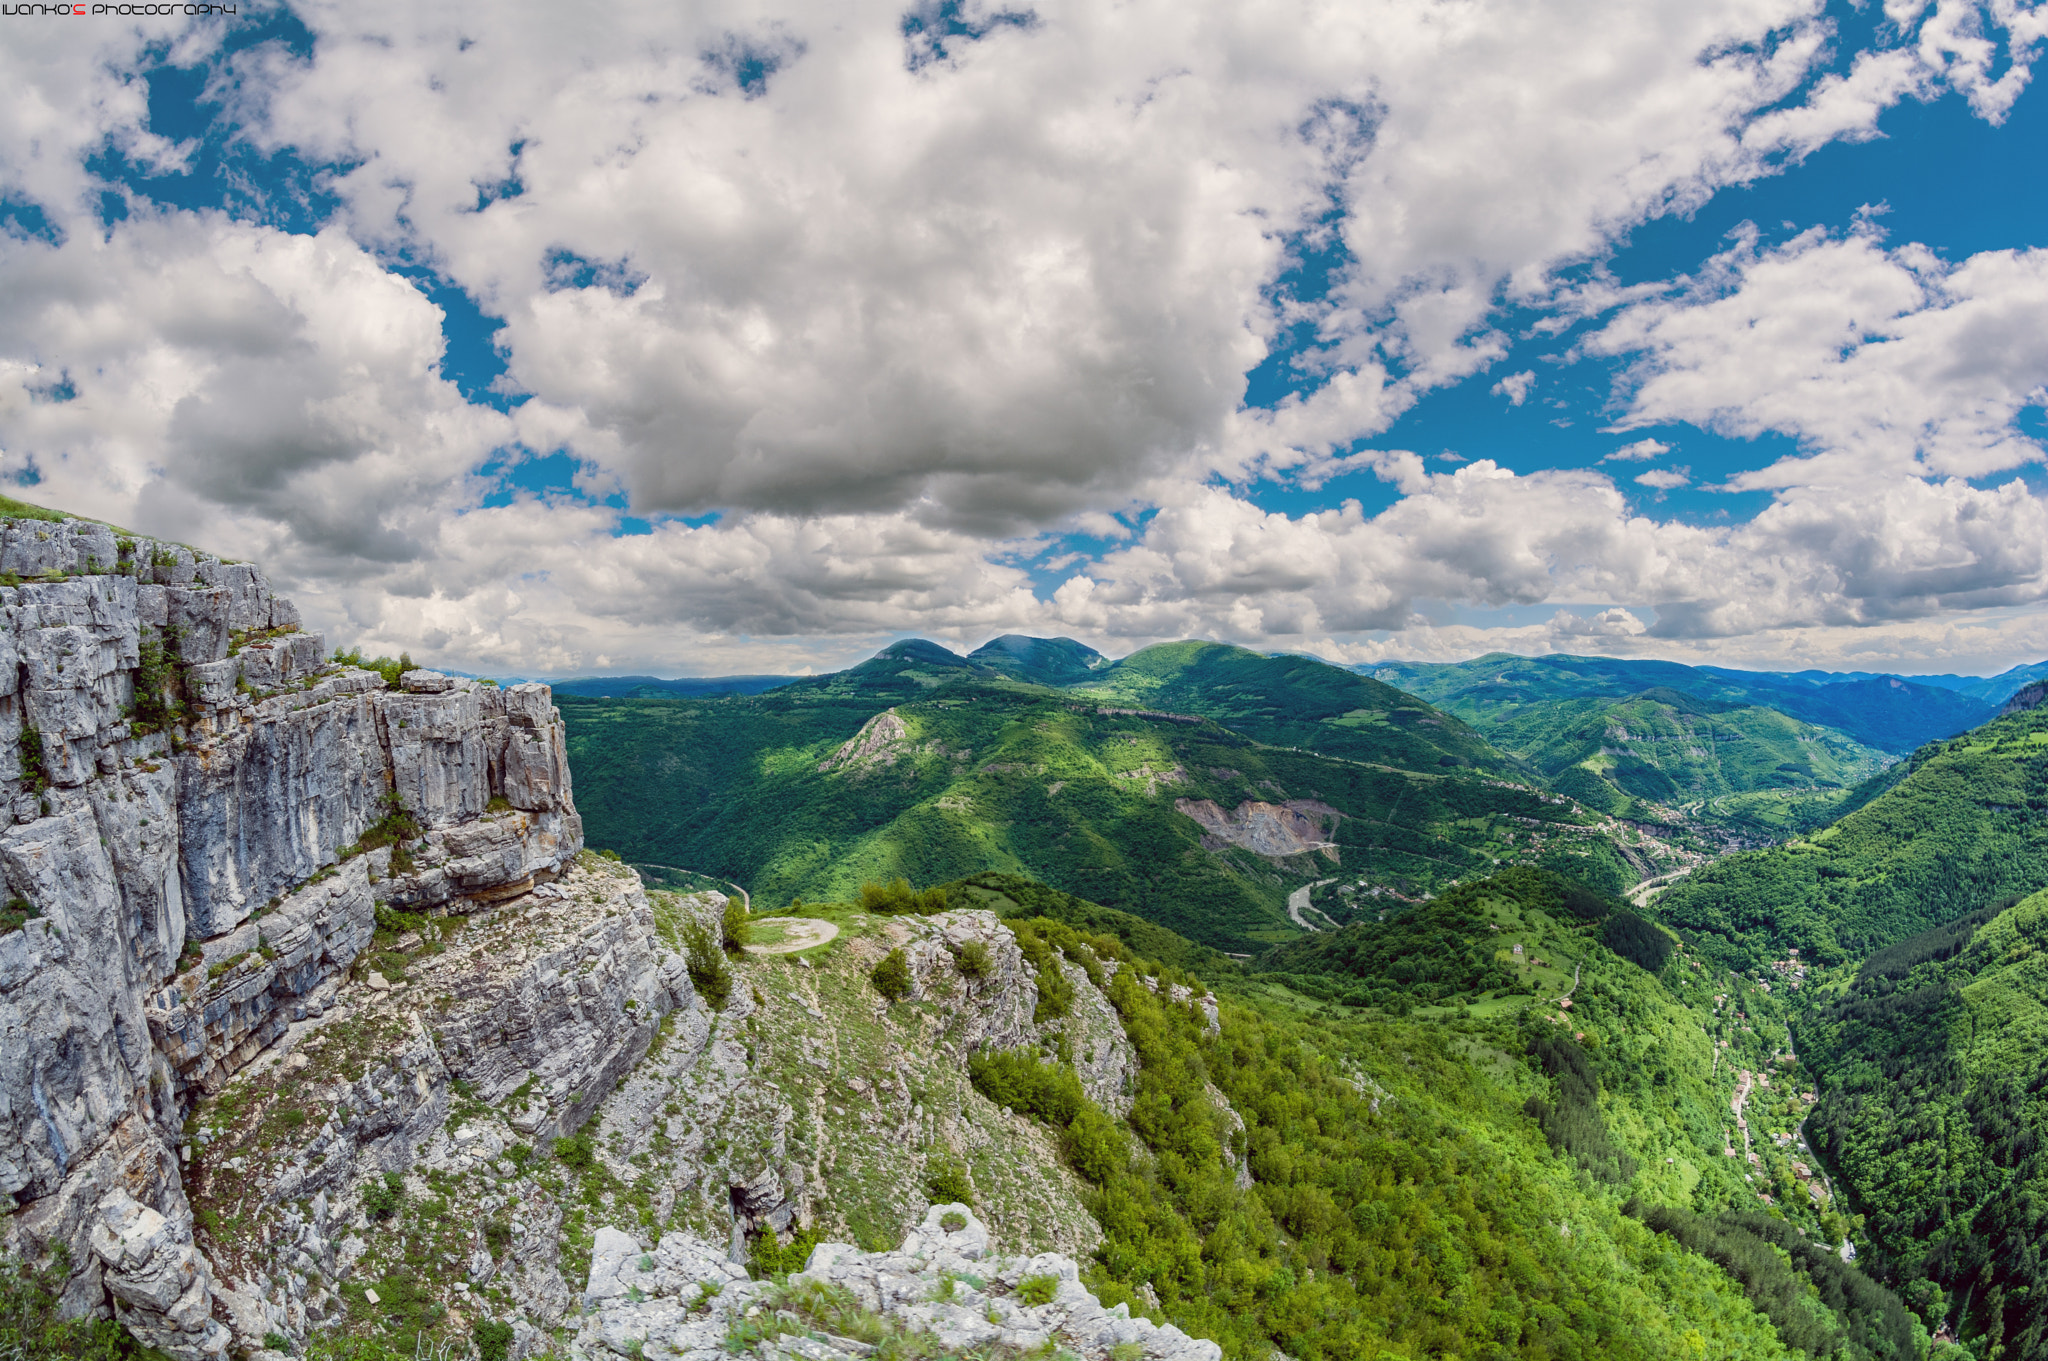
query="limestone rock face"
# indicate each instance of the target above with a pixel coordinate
(153, 1269)
(315, 1017)
(998, 1006)
(945, 1281)
(183, 781)
(1104, 1058)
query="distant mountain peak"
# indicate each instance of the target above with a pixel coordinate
(1049, 661)
(919, 650)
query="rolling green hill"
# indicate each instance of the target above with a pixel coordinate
(808, 796)
(1717, 759)
(1298, 701)
(1044, 661)
(1933, 1058)
(928, 765)
(1889, 713)
(1957, 828)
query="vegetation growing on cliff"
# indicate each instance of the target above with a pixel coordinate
(32, 1327)
(1408, 1177)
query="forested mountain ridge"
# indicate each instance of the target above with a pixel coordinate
(929, 766)
(1933, 1060)
(1957, 828)
(1717, 759)
(1298, 701)
(1891, 713)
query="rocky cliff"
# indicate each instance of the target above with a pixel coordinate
(189, 782)
(321, 1028)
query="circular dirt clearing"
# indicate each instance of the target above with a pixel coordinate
(798, 933)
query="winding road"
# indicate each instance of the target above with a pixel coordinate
(1575, 984)
(1640, 894)
(745, 901)
(1297, 903)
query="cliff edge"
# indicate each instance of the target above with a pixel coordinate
(206, 817)
(324, 1035)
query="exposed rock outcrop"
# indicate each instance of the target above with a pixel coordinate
(187, 775)
(876, 744)
(944, 1281)
(315, 1017)
(1275, 830)
(2032, 695)
(810, 1103)
(506, 1027)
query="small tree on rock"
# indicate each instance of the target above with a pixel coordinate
(706, 963)
(734, 927)
(892, 976)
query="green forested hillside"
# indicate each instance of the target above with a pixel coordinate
(1933, 1058)
(1492, 1175)
(1719, 759)
(974, 774)
(1297, 701)
(1957, 829)
(1044, 661)
(1118, 788)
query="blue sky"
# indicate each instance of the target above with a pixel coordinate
(740, 341)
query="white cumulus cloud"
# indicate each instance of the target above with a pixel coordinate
(1642, 451)
(901, 311)
(1515, 387)
(1665, 479)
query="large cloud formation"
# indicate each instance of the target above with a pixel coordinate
(900, 299)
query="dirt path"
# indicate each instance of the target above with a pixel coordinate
(1297, 903)
(803, 933)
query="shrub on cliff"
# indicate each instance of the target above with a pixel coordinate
(31, 1328)
(974, 960)
(493, 1339)
(706, 963)
(892, 976)
(382, 1198)
(35, 770)
(386, 667)
(157, 707)
(946, 1182)
(576, 1151)
(394, 829)
(734, 928)
(1018, 1080)
(897, 898)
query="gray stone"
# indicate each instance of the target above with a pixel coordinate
(134, 852)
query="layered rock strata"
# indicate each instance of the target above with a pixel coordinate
(315, 1019)
(187, 777)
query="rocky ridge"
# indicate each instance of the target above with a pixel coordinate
(683, 1302)
(320, 1025)
(187, 777)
